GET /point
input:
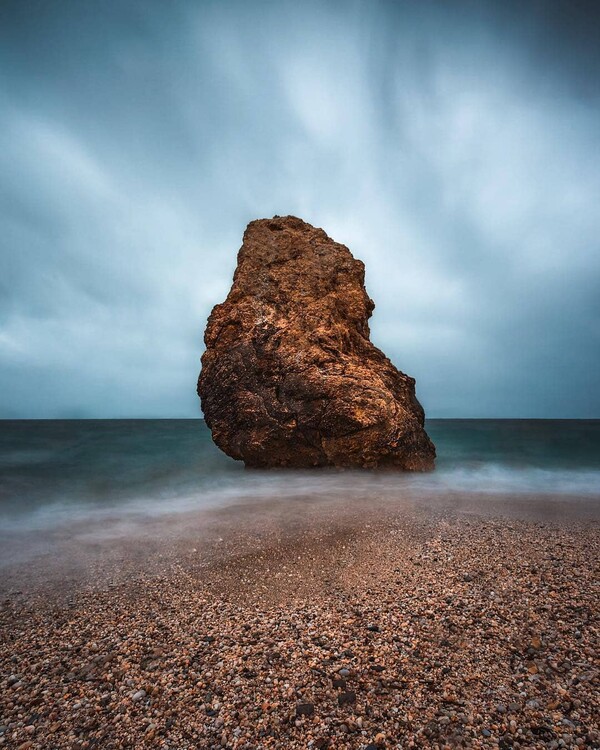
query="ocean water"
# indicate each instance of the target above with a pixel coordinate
(54, 473)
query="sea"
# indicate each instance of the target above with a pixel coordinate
(54, 472)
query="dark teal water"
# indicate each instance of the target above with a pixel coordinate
(53, 472)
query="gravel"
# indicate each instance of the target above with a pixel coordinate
(373, 632)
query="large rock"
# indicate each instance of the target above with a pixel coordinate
(289, 376)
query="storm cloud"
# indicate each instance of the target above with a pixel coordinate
(454, 147)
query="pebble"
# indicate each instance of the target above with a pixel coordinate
(225, 652)
(305, 709)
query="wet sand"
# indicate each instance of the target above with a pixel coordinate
(462, 622)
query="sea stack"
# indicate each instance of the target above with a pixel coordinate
(289, 376)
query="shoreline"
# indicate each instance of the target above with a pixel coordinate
(384, 626)
(89, 549)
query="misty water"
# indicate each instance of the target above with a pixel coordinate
(54, 473)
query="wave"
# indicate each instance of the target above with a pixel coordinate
(242, 487)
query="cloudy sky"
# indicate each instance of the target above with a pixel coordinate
(453, 146)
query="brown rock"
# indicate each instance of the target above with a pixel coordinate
(347, 698)
(289, 376)
(305, 709)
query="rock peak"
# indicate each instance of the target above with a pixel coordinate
(289, 376)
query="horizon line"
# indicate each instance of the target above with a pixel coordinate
(201, 419)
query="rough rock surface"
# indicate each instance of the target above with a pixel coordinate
(289, 376)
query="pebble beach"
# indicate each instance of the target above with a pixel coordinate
(348, 628)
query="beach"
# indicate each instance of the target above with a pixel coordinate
(299, 368)
(469, 622)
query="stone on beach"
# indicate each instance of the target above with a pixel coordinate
(305, 709)
(290, 376)
(347, 698)
(230, 653)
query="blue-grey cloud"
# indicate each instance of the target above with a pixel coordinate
(453, 147)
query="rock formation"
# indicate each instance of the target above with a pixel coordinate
(289, 376)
